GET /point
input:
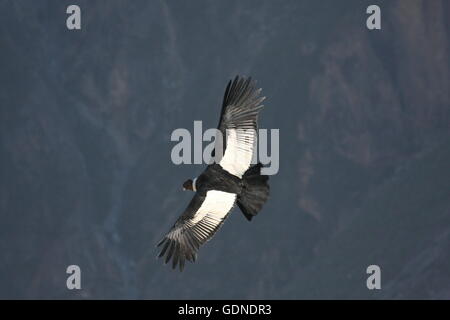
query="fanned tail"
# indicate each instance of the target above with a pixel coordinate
(255, 192)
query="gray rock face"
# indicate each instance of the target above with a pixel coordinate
(86, 118)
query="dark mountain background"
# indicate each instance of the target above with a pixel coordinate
(86, 175)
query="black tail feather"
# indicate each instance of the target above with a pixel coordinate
(255, 192)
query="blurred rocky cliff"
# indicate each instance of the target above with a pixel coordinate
(86, 175)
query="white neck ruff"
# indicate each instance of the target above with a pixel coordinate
(193, 185)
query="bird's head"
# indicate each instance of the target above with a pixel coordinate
(188, 185)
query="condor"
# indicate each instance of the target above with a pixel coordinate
(231, 180)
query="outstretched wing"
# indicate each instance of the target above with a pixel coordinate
(199, 222)
(239, 124)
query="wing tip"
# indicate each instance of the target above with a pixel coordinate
(241, 90)
(176, 254)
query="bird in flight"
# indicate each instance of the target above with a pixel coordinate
(231, 180)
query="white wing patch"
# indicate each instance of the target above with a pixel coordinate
(239, 151)
(216, 206)
(208, 218)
